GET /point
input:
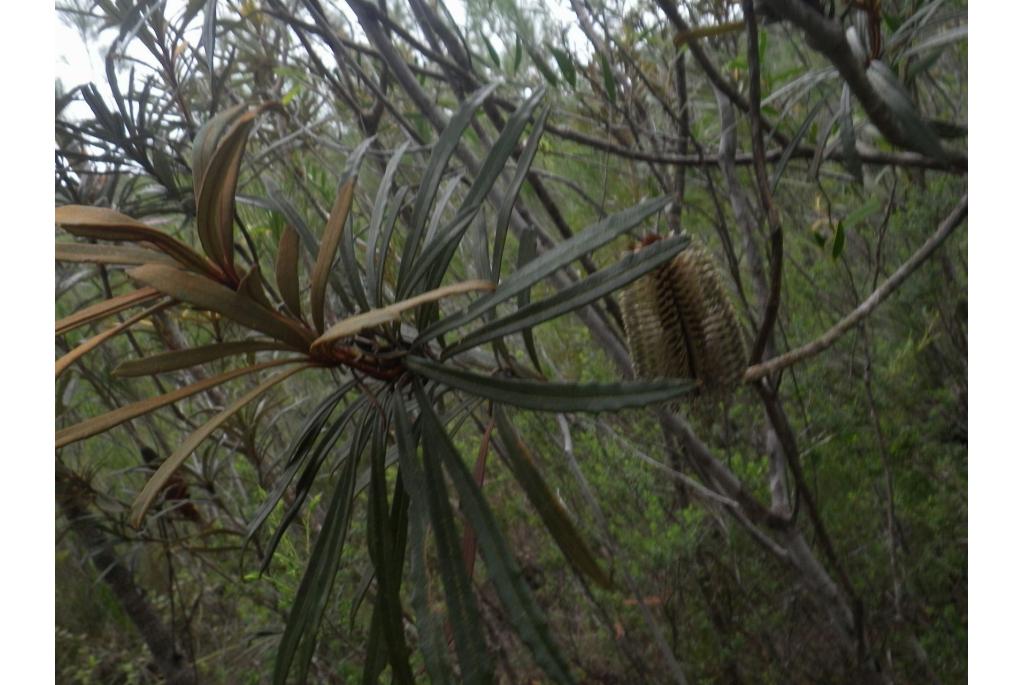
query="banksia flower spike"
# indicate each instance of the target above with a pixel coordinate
(680, 323)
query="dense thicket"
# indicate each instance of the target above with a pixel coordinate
(809, 527)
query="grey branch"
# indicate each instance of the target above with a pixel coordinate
(876, 298)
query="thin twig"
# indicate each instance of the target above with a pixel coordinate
(876, 298)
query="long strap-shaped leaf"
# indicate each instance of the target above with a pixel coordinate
(374, 261)
(156, 483)
(294, 457)
(204, 293)
(104, 422)
(428, 623)
(375, 317)
(299, 638)
(106, 224)
(92, 343)
(551, 511)
(287, 270)
(591, 288)
(543, 266)
(527, 253)
(433, 263)
(523, 612)
(557, 397)
(509, 201)
(439, 156)
(184, 359)
(88, 253)
(328, 249)
(102, 310)
(387, 549)
(427, 490)
(314, 460)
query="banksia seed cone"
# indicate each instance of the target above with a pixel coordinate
(681, 324)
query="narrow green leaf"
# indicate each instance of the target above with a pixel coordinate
(300, 448)
(556, 397)
(542, 67)
(439, 156)
(491, 52)
(840, 241)
(210, 33)
(441, 205)
(523, 612)
(383, 550)
(390, 220)
(587, 240)
(593, 287)
(565, 64)
(347, 248)
(508, 202)
(527, 253)
(438, 254)
(863, 212)
(156, 483)
(551, 511)
(518, 59)
(427, 490)
(374, 261)
(314, 462)
(428, 624)
(953, 35)
(609, 80)
(794, 142)
(376, 659)
(299, 638)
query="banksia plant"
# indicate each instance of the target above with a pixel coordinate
(680, 323)
(379, 321)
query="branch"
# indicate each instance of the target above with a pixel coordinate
(866, 154)
(827, 37)
(682, 28)
(771, 305)
(759, 371)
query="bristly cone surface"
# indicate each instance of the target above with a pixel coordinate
(680, 323)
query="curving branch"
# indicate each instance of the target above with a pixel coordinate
(869, 305)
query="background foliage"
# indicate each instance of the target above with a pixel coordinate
(811, 528)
